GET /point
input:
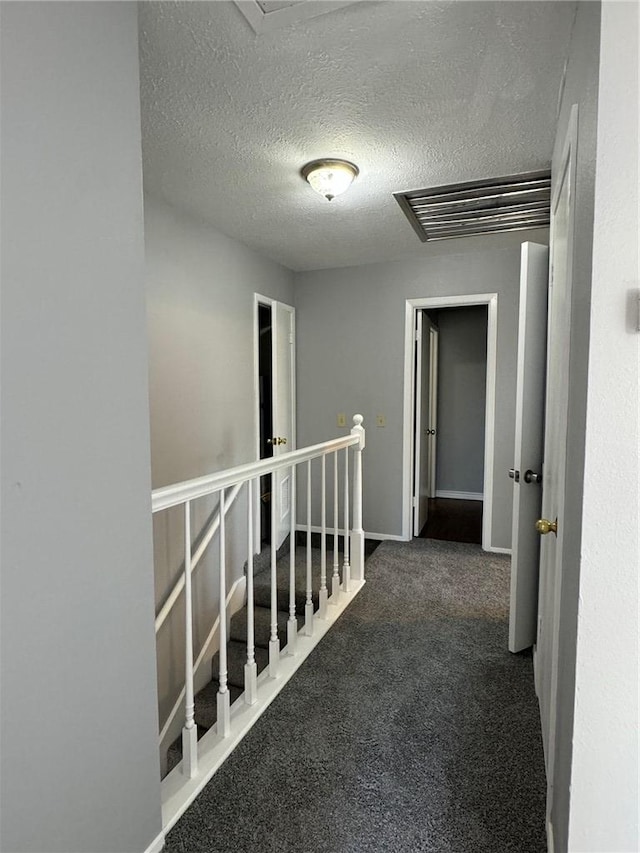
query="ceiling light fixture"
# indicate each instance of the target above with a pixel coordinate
(330, 177)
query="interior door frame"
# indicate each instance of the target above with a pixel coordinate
(408, 438)
(260, 299)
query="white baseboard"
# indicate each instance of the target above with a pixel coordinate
(460, 496)
(157, 845)
(493, 550)
(367, 535)
(393, 537)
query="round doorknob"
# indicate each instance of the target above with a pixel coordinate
(544, 526)
(531, 476)
(276, 440)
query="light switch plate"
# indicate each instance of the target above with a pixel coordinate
(381, 421)
(342, 419)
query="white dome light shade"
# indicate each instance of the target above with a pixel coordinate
(330, 177)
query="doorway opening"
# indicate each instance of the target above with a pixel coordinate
(450, 401)
(275, 403)
(265, 416)
(449, 432)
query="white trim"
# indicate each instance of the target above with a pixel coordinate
(417, 304)
(494, 549)
(382, 537)
(460, 496)
(178, 792)
(157, 845)
(393, 537)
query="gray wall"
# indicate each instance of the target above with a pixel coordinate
(462, 372)
(351, 359)
(581, 87)
(200, 287)
(79, 764)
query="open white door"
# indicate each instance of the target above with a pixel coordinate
(426, 395)
(527, 464)
(555, 436)
(421, 459)
(283, 391)
(433, 406)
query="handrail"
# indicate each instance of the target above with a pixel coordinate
(195, 559)
(232, 480)
(189, 490)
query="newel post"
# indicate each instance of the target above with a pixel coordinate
(357, 533)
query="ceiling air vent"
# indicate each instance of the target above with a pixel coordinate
(479, 207)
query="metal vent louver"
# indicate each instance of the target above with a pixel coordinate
(479, 207)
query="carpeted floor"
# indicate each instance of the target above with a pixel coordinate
(409, 728)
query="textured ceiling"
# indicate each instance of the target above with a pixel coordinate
(418, 94)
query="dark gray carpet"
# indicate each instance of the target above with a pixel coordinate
(410, 728)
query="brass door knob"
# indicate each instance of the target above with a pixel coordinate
(276, 440)
(544, 526)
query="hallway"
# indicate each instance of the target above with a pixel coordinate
(409, 728)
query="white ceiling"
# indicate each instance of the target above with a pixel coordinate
(418, 93)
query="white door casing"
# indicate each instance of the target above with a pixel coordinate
(527, 462)
(555, 437)
(408, 454)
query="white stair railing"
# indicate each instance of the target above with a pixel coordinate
(201, 758)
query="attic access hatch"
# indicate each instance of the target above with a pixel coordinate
(267, 15)
(479, 207)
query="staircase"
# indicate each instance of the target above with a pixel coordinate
(206, 699)
(304, 593)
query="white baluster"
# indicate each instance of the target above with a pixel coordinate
(357, 533)
(335, 580)
(189, 732)
(308, 608)
(250, 668)
(292, 623)
(274, 642)
(322, 606)
(223, 724)
(346, 567)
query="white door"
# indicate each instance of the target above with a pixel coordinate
(555, 435)
(426, 395)
(283, 391)
(527, 463)
(433, 407)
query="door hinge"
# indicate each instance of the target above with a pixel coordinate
(415, 502)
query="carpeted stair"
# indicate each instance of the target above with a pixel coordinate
(206, 699)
